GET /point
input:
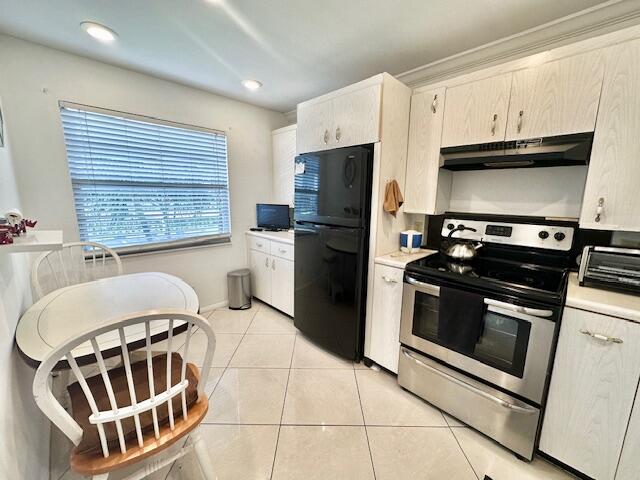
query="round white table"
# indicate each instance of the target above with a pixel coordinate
(72, 310)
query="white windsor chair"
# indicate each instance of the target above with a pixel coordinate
(77, 262)
(149, 434)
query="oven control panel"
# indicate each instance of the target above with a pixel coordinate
(552, 237)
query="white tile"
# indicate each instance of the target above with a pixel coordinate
(453, 421)
(214, 377)
(385, 403)
(269, 320)
(238, 452)
(225, 320)
(489, 458)
(226, 345)
(267, 351)
(307, 354)
(245, 395)
(322, 397)
(407, 453)
(322, 453)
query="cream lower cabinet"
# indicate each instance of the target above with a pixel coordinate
(629, 466)
(272, 272)
(611, 195)
(593, 385)
(384, 324)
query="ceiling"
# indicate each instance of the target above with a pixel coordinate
(297, 48)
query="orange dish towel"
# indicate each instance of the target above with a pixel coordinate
(392, 198)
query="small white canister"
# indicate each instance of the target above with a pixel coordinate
(410, 241)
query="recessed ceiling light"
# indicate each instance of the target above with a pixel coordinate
(251, 84)
(99, 32)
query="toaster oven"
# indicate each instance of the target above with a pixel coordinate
(610, 268)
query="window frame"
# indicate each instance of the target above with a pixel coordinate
(154, 247)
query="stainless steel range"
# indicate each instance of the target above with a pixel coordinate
(477, 335)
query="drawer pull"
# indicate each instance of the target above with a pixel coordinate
(601, 337)
(388, 279)
(471, 388)
(259, 244)
(282, 250)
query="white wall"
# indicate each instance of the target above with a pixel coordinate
(23, 429)
(551, 192)
(34, 78)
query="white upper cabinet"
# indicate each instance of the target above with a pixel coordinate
(592, 389)
(612, 196)
(315, 122)
(477, 112)
(556, 98)
(356, 117)
(351, 118)
(422, 194)
(284, 154)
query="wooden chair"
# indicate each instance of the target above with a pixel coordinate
(77, 262)
(123, 451)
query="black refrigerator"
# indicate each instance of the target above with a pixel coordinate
(332, 211)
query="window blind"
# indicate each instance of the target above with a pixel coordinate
(141, 184)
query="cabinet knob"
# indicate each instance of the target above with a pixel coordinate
(434, 104)
(338, 134)
(599, 209)
(520, 115)
(326, 136)
(494, 124)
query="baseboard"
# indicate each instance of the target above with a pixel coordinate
(214, 306)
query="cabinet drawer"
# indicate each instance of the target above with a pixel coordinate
(259, 244)
(282, 250)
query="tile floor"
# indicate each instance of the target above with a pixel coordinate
(282, 408)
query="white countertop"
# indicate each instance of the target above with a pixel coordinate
(400, 259)
(284, 237)
(602, 301)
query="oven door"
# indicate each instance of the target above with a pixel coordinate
(512, 352)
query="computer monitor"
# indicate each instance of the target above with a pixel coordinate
(272, 216)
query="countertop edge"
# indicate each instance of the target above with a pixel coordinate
(274, 236)
(399, 259)
(612, 306)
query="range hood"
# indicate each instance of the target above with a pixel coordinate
(557, 151)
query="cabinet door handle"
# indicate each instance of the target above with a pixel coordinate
(601, 337)
(338, 134)
(599, 209)
(326, 137)
(493, 124)
(266, 262)
(520, 115)
(434, 104)
(389, 279)
(273, 264)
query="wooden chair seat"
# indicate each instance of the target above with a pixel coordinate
(94, 463)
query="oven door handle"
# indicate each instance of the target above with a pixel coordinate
(535, 312)
(471, 388)
(424, 287)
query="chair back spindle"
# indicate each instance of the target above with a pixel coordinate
(77, 262)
